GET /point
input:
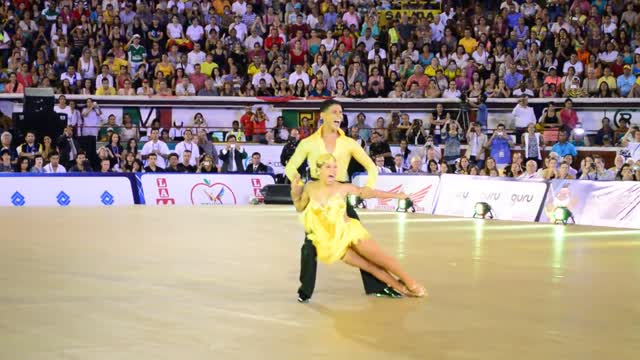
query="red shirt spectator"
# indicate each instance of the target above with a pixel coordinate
(568, 116)
(246, 123)
(274, 38)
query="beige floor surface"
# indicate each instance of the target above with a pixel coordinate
(219, 283)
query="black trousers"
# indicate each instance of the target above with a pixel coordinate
(309, 266)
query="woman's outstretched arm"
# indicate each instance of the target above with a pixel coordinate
(368, 193)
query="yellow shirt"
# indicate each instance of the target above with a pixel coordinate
(312, 147)
(117, 63)
(468, 44)
(207, 68)
(102, 91)
(251, 70)
(610, 80)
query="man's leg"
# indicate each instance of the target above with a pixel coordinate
(371, 284)
(308, 268)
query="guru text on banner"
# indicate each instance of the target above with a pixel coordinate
(421, 189)
(597, 203)
(202, 189)
(510, 200)
(67, 190)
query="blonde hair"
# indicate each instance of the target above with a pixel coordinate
(323, 159)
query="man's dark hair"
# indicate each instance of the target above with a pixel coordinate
(256, 153)
(325, 105)
(81, 152)
(53, 153)
(500, 124)
(152, 155)
(173, 155)
(39, 156)
(187, 151)
(235, 122)
(231, 137)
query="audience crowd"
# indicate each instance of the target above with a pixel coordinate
(340, 48)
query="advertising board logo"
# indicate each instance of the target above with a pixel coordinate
(106, 198)
(419, 195)
(163, 193)
(17, 199)
(208, 193)
(63, 199)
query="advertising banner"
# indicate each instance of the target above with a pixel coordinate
(203, 189)
(510, 200)
(422, 190)
(597, 203)
(47, 190)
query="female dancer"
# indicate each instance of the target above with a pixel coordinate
(336, 236)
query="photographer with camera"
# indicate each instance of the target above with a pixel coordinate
(596, 170)
(232, 156)
(500, 146)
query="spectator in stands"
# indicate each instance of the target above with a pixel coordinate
(398, 164)
(6, 165)
(500, 146)
(379, 161)
(605, 130)
(477, 142)
(152, 165)
(626, 173)
(379, 147)
(173, 164)
(533, 144)
(416, 166)
(564, 172)
(523, 115)
(531, 171)
(562, 147)
(68, 147)
(186, 163)
(597, 171)
(188, 144)
(207, 165)
(54, 166)
(235, 131)
(256, 166)
(452, 137)
(105, 166)
(29, 149)
(92, 118)
(633, 146)
(232, 156)
(81, 163)
(38, 165)
(157, 147)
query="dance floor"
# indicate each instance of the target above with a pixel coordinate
(219, 283)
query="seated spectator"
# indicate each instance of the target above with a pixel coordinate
(173, 164)
(256, 166)
(605, 130)
(30, 148)
(564, 172)
(81, 163)
(207, 165)
(54, 166)
(6, 165)
(531, 171)
(152, 165)
(562, 147)
(187, 160)
(597, 171)
(398, 164)
(416, 166)
(105, 166)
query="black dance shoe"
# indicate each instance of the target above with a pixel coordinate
(387, 292)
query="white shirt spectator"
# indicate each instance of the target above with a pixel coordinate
(195, 152)
(381, 52)
(177, 3)
(159, 147)
(194, 57)
(633, 148)
(608, 57)
(451, 93)
(190, 90)
(176, 132)
(383, 170)
(241, 30)
(526, 176)
(207, 29)
(609, 28)
(48, 169)
(437, 30)
(523, 116)
(250, 41)
(195, 33)
(73, 79)
(99, 80)
(528, 92)
(368, 43)
(578, 67)
(259, 76)
(294, 77)
(174, 31)
(239, 8)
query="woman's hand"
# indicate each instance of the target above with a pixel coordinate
(296, 187)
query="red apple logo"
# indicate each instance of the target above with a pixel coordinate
(207, 193)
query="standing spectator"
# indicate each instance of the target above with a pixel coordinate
(68, 147)
(246, 122)
(532, 143)
(568, 116)
(232, 156)
(476, 144)
(92, 117)
(156, 147)
(452, 139)
(500, 146)
(379, 147)
(605, 130)
(523, 115)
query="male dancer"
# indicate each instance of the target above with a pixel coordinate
(331, 139)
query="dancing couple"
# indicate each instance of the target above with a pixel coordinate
(333, 228)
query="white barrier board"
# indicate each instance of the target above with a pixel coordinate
(65, 191)
(510, 200)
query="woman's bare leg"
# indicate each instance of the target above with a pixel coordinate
(370, 250)
(352, 258)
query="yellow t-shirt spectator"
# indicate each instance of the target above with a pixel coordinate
(430, 71)
(469, 44)
(207, 68)
(117, 63)
(253, 69)
(102, 91)
(610, 80)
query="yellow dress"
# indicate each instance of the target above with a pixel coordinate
(330, 230)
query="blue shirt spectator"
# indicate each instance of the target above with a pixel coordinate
(564, 148)
(626, 81)
(512, 78)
